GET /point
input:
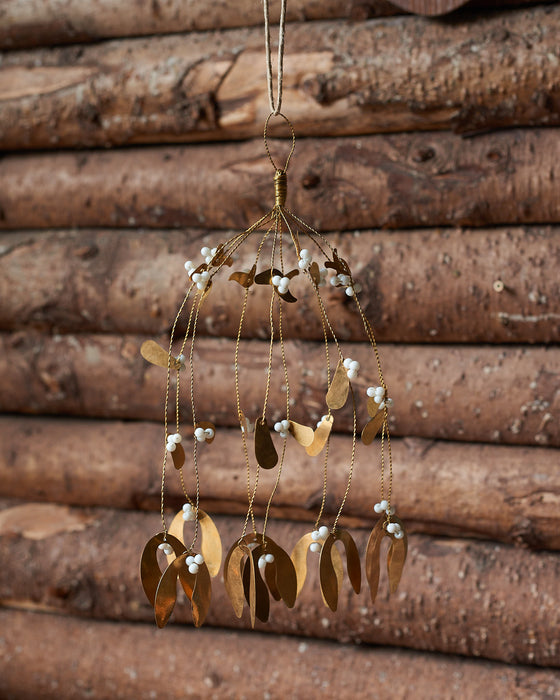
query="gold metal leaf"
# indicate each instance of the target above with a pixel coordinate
(211, 545)
(150, 573)
(252, 597)
(270, 576)
(201, 595)
(265, 452)
(327, 574)
(372, 406)
(178, 456)
(320, 436)
(396, 557)
(338, 570)
(314, 273)
(338, 264)
(302, 433)
(265, 277)
(245, 279)
(154, 353)
(220, 258)
(373, 553)
(292, 273)
(166, 594)
(338, 390)
(372, 427)
(204, 424)
(287, 296)
(299, 560)
(252, 579)
(286, 577)
(233, 580)
(187, 579)
(353, 566)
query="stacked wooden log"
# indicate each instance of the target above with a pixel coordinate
(455, 241)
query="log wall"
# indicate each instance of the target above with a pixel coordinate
(428, 157)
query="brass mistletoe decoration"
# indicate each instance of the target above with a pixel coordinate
(256, 569)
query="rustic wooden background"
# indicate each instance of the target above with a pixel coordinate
(429, 154)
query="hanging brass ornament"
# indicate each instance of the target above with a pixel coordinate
(256, 568)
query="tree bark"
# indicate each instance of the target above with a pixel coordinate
(119, 282)
(46, 22)
(502, 493)
(412, 179)
(385, 75)
(473, 394)
(455, 596)
(66, 655)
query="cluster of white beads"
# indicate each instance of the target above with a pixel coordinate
(396, 530)
(282, 427)
(318, 536)
(378, 394)
(305, 259)
(194, 562)
(166, 548)
(281, 283)
(265, 559)
(202, 434)
(173, 441)
(352, 367)
(325, 417)
(188, 512)
(383, 506)
(342, 280)
(208, 254)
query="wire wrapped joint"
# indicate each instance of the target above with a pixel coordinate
(280, 187)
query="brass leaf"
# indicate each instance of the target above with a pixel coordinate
(302, 433)
(154, 353)
(211, 545)
(220, 258)
(338, 264)
(299, 560)
(178, 456)
(265, 452)
(373, 553)
(262, 601)
(338, 390)
(150, 573)
(372, 427)
(320, 436)
(287, 296)
(327, 574)
(396, 557)
(166, 594)
(245, 279)
(353, 566)
(314, 273)
(372, 406)
(201, 595)
(265, 277)
(286, 577)
(270, 576)
(233, 580)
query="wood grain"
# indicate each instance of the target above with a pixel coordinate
(479, 393)
(338, 184)
(509, 494)
(386, 75)
(66, 655)
(422, 286)
(456, 596)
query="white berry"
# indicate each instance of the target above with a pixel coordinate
(193, 569)
(399, 535)
(171, 447)
(315, 547)
(347, 362)
(209, 433)
(352, 374)
(377, 508)
(384, 504)
(391, 528)
(370, 391)
(269, 558)
(189, 560)
(323, 531)
(198, 559)
(315, 535)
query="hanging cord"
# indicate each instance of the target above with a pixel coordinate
(274, 108)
